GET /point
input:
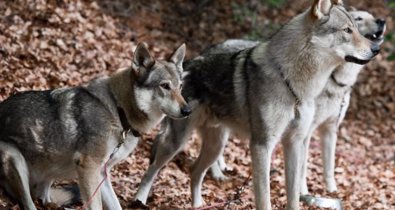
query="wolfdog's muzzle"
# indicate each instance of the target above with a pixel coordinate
(375, 49)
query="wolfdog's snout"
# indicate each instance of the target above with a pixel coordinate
(186, 110)
(380, 22)
(375, 48)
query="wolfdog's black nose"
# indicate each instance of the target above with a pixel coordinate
(380, 22)
(186, 111)
(375, 49)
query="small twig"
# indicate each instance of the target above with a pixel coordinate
(236, 198)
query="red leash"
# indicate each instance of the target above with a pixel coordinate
(98, 187)
(86, 205)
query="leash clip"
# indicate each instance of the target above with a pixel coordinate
(124, 133)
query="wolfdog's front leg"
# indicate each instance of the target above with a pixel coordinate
(260, 154)
(89, 178)
(110, 199)
(328, 138)
(293, 169)
(166, 146)
(294, 152)
(304, 190)
(264, 137)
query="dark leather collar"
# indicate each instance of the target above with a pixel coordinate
(278, 67)
(125, 123)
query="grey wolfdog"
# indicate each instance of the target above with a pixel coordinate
(331, 104)
(264, 93)
(72, 132)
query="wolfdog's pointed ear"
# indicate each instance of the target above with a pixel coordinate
(142, 57)
(178, 55)
(352, 9)
(337, 2)
(321, 8)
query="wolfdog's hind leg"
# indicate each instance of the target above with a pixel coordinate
(13, 169)
(219, 166)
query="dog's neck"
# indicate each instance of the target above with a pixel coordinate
(343, 78)
(122, 85)
(125, 123)
(304, 65)
(347, 73)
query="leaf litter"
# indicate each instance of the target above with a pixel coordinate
(54, 43)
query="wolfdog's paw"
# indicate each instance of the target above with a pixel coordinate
(304, 190)
(217, 173)
(137, 204)
(220, 177)
(198, 202)
(222, 165)
(331, 185)
(332, 188)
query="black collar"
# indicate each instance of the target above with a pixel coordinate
(125, 123)
(288, 83)
(292, 91)
(336, 82)
(278, 67)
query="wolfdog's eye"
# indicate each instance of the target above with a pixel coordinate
(348, 30)
(165, 86)
(358, 19)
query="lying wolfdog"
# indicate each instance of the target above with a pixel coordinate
(265, 94)
(68, 132)
(331, 104)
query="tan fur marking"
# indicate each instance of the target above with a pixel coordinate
(359, 40)
(121, 85)
(176, 95)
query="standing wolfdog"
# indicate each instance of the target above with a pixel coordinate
(68, 132)
(331, 104)
(265, 93)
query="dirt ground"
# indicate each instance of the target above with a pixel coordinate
(55, 43)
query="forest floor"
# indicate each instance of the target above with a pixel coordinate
(55, 43)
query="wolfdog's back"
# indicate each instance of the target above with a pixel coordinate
(46, 121)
